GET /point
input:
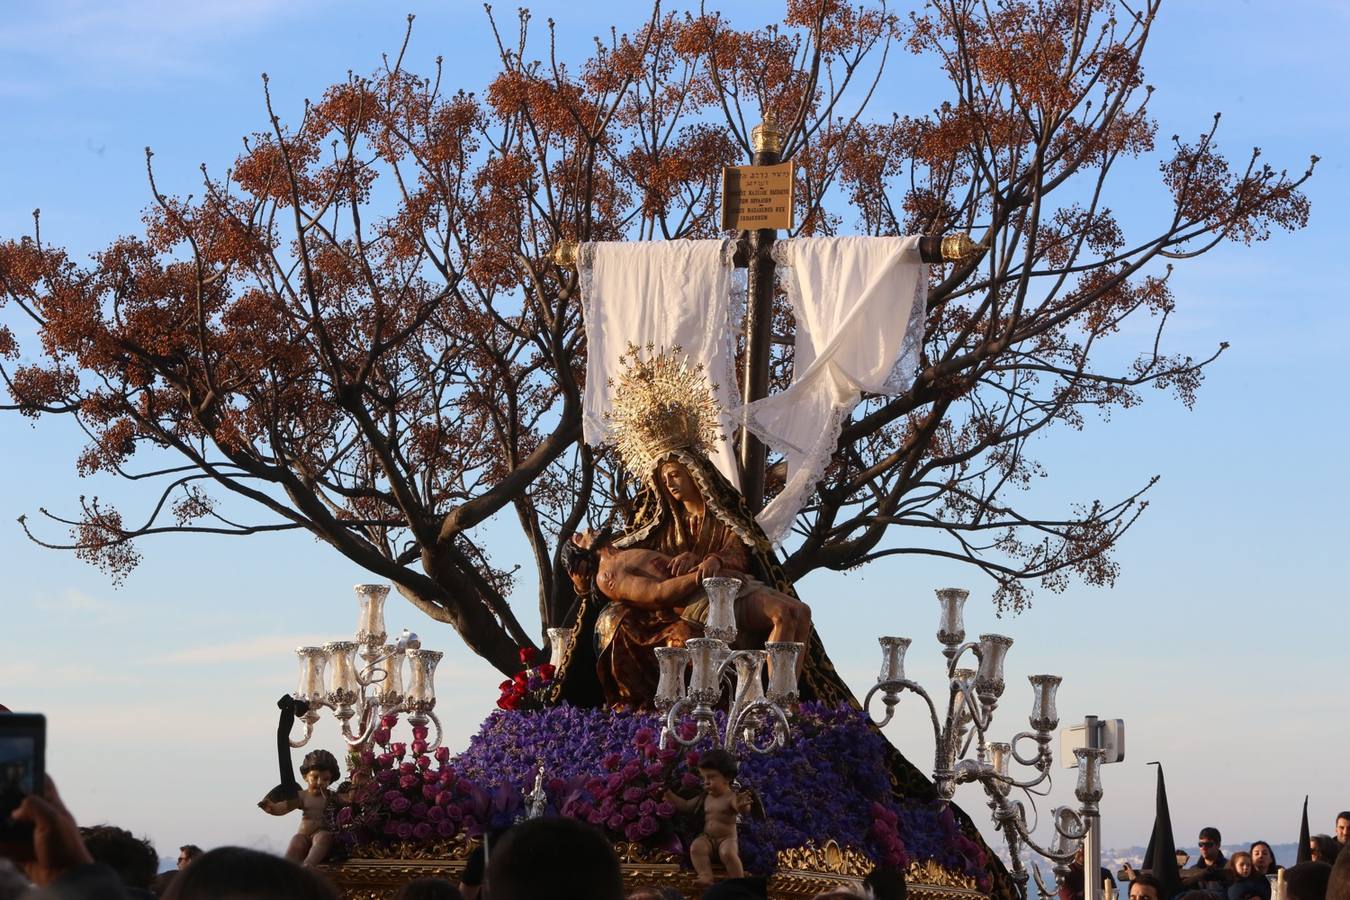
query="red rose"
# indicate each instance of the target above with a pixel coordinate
(546, 671)
(528, 655)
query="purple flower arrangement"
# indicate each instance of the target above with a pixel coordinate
(604, 767)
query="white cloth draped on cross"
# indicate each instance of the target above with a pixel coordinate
(859, 303)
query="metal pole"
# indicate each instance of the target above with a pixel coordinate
(767, 143)
(1092, 844)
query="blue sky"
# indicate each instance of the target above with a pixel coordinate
(1223, 644)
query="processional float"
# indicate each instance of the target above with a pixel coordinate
(710, 692)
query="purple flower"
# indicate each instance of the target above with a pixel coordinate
(399, 804)
(380, 736)
(391, 796)
(445, 828)
(629, 811)
(665, 810)
(633, 794)
(405, 831)
(435, 813)
(421, 831)
(385, 760)
(344, 816)
(407, 781)
(644, 736)
(647, 826)
(647, 807)
(633, 832)
(615, 822)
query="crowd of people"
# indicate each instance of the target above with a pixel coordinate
(1249, 874)
(558, 859)
(553, 858)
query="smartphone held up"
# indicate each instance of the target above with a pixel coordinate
(23, 738)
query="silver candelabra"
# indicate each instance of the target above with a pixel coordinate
(973, 695)
(711, 662)
(375, 689)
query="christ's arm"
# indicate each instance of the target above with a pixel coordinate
(637, 587)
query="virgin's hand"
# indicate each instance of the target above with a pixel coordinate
(709, 567)
(684, 563)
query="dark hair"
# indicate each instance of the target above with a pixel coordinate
(133, 859)
(1327, 847)
(719, 760)
(1307, 881)
(738, 889)
(237, 873)
(192, 851)
(886, 883)
(1269, 849)
(573, 556)
(1212, 833)
(1343, 814)
(526, 863)
(1148, 880)
(321, 759)
(428, 889)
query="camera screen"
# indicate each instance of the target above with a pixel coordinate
(18, 771)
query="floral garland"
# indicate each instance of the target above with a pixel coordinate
(604, 767)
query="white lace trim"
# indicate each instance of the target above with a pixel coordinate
(777, 516)
(906, 367)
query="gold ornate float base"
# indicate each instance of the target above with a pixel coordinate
(802, 873)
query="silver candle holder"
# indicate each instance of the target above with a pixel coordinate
(972, 696)
(711, 665)
(389, 678)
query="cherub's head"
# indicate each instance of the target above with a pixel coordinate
(319, 769)
(717, 768)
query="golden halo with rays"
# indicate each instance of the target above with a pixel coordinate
(661, 404)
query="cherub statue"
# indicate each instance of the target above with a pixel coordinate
(721, 804)
(314, 839)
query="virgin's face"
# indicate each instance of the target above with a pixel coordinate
(675, 477)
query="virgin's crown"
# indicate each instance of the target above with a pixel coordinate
(661, 404)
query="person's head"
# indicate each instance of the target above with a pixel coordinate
(187, 853)
(886, 883)
(1307, 881)
(133, 859)
(580, 556)
(675, 479)
(428, 889)
(1343, 828)
(1263, 858)
(1210, 841)
(236, 873)
(717, 768)
(525, 863)
(320, 769)
(1323, 848)
(738, 889)
(1146, 887)
(1182, 858)
(1241, 863)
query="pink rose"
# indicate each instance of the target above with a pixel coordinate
(419, 747)
(389, 720)
(405, 831)
(633, 832)
(445, 828)
(420, 732)
(665, 810)
(647, 826)
(424, 762)
(380, 736)
(422, 831)
(407, 781)
(442, 755)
